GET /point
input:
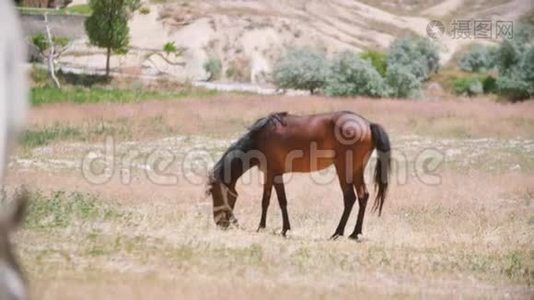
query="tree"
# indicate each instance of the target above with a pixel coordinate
(170, 53)
(107, 27)
(419, 55)
(350, 75)
(515, 61)
(478, 58)
(50, 48)
(402, 83)
(301, 68)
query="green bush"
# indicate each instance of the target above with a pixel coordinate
(301, 68)
(508, 55)
(527, 68)
(478, 58)
(170, 48)
(378, 60)
(512, 87)
(515, 61)
(351, 75)
(213, 67)
(41, 42)
(401, 82)
(489, 84)
(419, 55)
(468, 86)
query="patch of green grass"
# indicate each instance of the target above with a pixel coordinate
(60, 209)
(83, 9)
(46, 95)
(121, 128)
(41, 137)
(39, 11)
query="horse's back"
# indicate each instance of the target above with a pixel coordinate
(314, 142)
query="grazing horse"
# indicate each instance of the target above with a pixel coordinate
(282, 143)
(12, 109)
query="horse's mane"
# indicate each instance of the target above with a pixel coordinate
(246, 142)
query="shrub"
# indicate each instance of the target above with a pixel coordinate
(517, 82)
(510, 52)
(489, 84)
(507, 56)
(515, 60)
(378, 60)
(468, 86)
(527, 68)
(302, 68)
(170, 48)
(145, 10)
(40, 41)
(419, 55)
(479, 58)
(401, 82)
(351, 75)
(512, 87)
(213, 67)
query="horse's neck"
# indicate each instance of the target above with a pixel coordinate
(235, 174)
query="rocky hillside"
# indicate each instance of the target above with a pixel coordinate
(248, 35)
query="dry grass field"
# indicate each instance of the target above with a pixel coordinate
(468, 235)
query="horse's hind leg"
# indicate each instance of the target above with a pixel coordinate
(363, 196)
(267, 188)
(348, 200)
(282, 200)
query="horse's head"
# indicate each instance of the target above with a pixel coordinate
(12, 284)
(224, 198)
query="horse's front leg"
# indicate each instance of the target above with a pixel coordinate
(282, 200)
(267, 188)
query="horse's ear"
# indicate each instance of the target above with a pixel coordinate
(19, 207)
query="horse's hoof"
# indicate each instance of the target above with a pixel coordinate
(356, 237)
(335, 236)
(260, 229)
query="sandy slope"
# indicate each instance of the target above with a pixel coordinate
(250, 35)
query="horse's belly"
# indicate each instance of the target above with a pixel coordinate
(307, 164)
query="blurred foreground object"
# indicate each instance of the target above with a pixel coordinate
(13, 107)
(13, 92)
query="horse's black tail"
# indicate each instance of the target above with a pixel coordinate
(383, 165)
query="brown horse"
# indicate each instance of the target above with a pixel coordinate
(282, 143)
